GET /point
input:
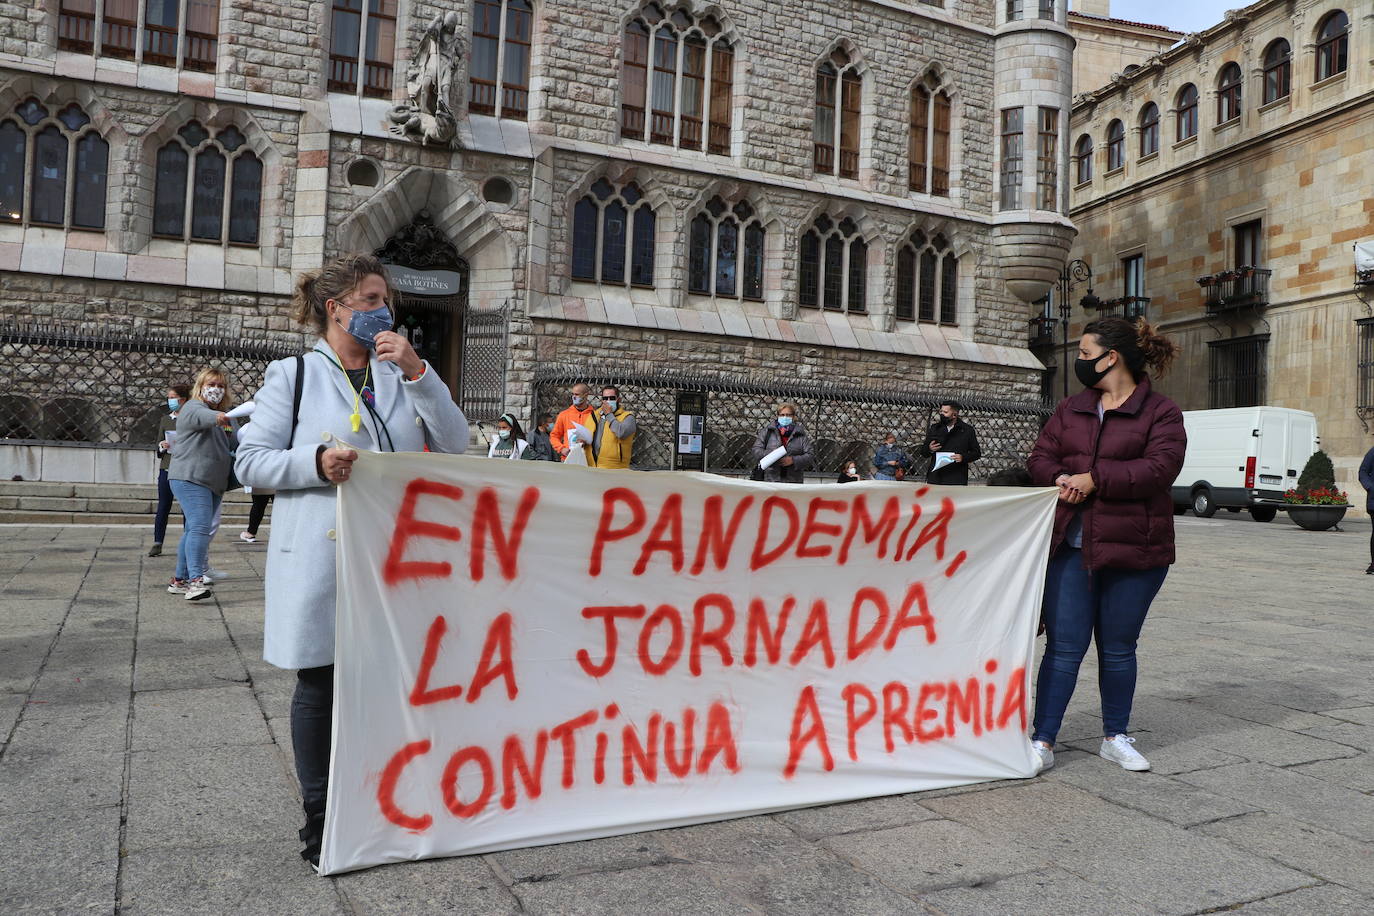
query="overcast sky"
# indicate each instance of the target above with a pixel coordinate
(1180, 15)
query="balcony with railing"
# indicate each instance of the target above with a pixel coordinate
(1042, 330)
(1128, 307)
(1231, 290)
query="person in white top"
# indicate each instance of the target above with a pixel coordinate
(510, 439)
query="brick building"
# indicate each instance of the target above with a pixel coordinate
(1220, 190)
(842, 193)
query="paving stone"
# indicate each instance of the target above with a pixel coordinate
(60, 863)
(1295, 795)
(1051, 890)
(1261, 711)
(1363, 715)
(1148, 860)
(1311, 849)
(198, 666)
(207, 717)
(51, 779)
(671, 890)
(11, 705)
(543, 863)
(457, 885)
(869, 814)
(1323, 900)
(1351, 772)
(936, 854)
(262, 879)
(1346, 733)
(1173, 757)
(1151, 793)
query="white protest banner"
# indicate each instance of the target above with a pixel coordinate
(529, 653)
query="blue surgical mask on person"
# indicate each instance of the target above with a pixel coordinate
(174, 404)
(503, 433)
(365, 326)
(784, 422)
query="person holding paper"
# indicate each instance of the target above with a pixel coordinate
(953, 446)
(573, 430)
(783, 449)
(362, 386)
(167, 433)
(199, 475)
(613, 440)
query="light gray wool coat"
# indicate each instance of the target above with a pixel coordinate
(299, 626)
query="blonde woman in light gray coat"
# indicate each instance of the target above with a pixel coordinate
(364, 384)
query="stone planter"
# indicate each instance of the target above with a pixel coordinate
(1316, 518)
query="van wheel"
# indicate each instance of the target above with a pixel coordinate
(1263, 513)
(1203, 507)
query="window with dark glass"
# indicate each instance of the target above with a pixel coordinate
(839, 106)
(1012, 146)
(928, 140)
(1116, 146)
(1333, 41)
(1047, 160)
(927, 280)
(1248, 238)
(1278, 71)
(500, 68)
(1149, 130)
(677, 73)
(1133, 276)
(614, 233)
(1236, 371)
(725, 251)
(1046, 9)
(1186, 119)
(208, 188)
(1083, 159)
(834, 266)
(362, 46)
(1016, 9)
(173, 33)
(63, 152)
(1228, 93)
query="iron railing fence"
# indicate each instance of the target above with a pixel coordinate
(70, 385)
(843, 423)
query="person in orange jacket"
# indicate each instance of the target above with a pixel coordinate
(579, 414)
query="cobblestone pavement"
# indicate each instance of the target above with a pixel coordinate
(145, 766)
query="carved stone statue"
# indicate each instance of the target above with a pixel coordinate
(427, 115)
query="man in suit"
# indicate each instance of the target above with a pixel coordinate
(953, 435)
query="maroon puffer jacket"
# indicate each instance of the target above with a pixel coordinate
(1134, 453)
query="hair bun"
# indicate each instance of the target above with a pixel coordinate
(1159, 351)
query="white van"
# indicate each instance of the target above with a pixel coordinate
(1243, 458)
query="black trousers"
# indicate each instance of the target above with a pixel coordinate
(312, 713)
(257, 511)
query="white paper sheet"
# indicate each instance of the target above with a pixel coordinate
(942, 459)
(773, 457)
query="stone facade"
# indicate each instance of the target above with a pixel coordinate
(1107, 46)
(1298, 166)
(335, 179)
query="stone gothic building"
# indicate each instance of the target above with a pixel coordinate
(860, 193)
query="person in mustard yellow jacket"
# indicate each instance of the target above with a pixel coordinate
(614, 437)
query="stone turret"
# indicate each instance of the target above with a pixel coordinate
(1033, 85)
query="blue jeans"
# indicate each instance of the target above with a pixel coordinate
(164, 507)
(200, 506)
(1109, 604)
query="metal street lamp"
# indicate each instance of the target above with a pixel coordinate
(1075, 272)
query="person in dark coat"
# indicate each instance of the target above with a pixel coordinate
(541, 448)
(1113, 450)
(1367, 481)
(951, 434)
(787, 430)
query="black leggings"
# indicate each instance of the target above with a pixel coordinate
(312, 713)
(1371, 549)
(256, 513)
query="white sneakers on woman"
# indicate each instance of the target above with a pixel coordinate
(1118, 750)
(1045, 753)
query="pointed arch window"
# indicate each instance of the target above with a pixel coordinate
(500, 71)
(1149, 130)
(54, 167)
(928, 141)
(1228, 93)
(1186, 119)
(927, 281)
(725, 251)
(1116, 146)
(677, 81)
(1333, 42)
(1083, 159)
(209, 188)
(362, 47)
(839, 107)
(173, 33)
(834, 266)
(1278, 71)
(613, 236)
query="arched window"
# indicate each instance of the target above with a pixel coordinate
(1278, 71)
(1149, 129)
(1333, 41)
(224, 180)
(1116, 146)
(500, 70)
(613, 228)
(928, 140)
(1083, 159)
(42, 156)
(927, 281)
(1186, 119)
(362, 46)
(834, 266)
(1228, 93)
(181, 33)
(839, 102)
(657, 48)
(725, 251)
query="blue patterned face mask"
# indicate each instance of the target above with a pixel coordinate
(365, 326)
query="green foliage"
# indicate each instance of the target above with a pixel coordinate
(1318, 473)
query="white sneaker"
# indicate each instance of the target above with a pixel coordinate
(198, 588)
(1118, 750)
(247, 538)
(1045, 753)
(215, 575)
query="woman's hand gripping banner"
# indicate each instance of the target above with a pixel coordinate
(529, 653)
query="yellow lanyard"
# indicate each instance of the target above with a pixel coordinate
(356, 418)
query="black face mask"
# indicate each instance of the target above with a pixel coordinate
(1087, 371)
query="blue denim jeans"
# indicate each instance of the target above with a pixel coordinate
(1108, 604)
(200, 506)
(164, 507)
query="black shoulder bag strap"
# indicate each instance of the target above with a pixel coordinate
(296, 399)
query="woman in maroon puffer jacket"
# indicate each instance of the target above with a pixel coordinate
(1113, 451)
